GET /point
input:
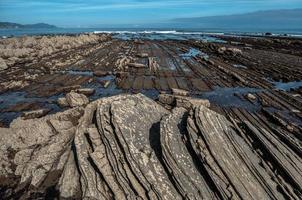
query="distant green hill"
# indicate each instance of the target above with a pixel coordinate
(9, 25)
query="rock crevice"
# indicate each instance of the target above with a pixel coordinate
(131, 147)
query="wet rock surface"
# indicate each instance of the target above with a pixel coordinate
(224, 120)
(98, 65)
(130, 147)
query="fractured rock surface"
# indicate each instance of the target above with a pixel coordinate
(3, 65)
(131, 147)
(75, 99)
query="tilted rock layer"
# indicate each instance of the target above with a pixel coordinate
(30, 47)
(130, 147)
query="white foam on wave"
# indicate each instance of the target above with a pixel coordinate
(172, 32)
(295, 35)
(115, 32)
(159, 32)
(137, 32)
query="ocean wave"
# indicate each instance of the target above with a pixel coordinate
(295, 35)
(174, 32)
(137, 32)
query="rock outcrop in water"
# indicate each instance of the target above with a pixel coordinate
(131, 147)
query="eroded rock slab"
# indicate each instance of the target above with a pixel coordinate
(3, 65)
(76, 99)
(131, 147)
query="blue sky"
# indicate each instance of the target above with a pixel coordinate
(76, 13)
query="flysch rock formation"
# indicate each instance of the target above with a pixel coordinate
(131, 147)
(34, 48)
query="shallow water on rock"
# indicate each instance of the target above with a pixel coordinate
(193, 53)
(101, 91)
(287, 86)
(288, 115)
(230, 97)
(10, 99)
(78, 72)
(152, 93)
(13, 98)
(166, 36)
(7, 117)
(171, 64)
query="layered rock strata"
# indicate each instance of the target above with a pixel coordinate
(131, 147)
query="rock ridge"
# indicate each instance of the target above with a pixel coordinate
(132, 147)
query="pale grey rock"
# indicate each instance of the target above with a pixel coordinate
(62, 102)
(100, 73)
(106, 83)
(69, 184)
(75, 99)
(179, 92)
(35, 46)
(188, 179)
(39, 147)
(134, 120)
(142, 55)
(182, 101)
(14, 84)
(3, 65)
(251, 97)
(86, 91)
(137, 65)
(131, 147)
(35, 113)
(221, 50)
(232, 51)
(227, 159)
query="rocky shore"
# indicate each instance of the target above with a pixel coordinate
(130, 147)
(96, 117)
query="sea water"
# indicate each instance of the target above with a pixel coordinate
(133, 33)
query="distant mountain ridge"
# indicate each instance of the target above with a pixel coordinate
(8, 25)
(291, 18)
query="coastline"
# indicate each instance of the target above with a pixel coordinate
(62, 95)
(178, 57)
(74, 31)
